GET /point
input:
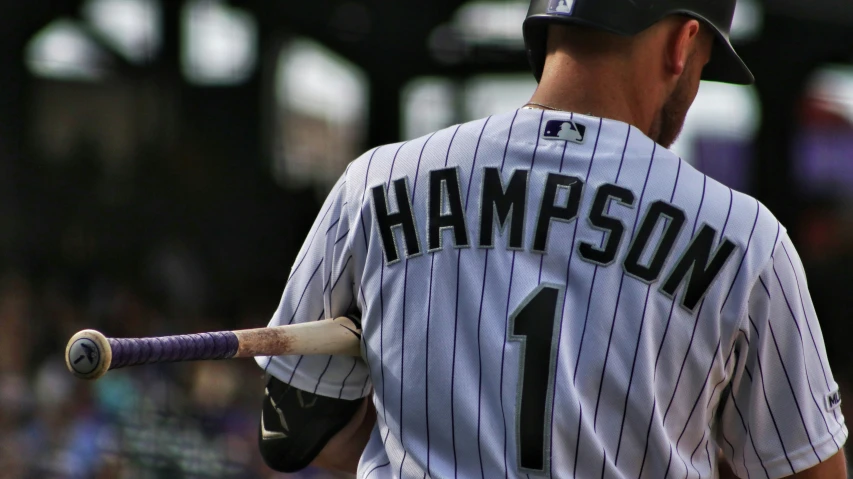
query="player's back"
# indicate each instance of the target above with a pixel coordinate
(561, 298)
(544, 293)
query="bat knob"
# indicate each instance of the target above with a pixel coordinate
(88, 354)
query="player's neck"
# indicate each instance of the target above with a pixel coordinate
(596, 90)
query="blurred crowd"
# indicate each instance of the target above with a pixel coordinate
(824, 239)
(178, 239)
(197, 420)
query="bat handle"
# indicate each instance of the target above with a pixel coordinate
(168, 349)
(90, 354)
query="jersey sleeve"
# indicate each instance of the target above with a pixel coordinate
(781, 415)
(320, 286)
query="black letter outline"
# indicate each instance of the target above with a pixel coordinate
(601, 204)
(444, 191)
(667, 236)
(673, 281)
(556, 182)
(510, 218)
(401, 186)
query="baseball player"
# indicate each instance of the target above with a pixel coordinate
(551, 292)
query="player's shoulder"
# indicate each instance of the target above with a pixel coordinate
(740, 216)
(388, 160)
(748, 222)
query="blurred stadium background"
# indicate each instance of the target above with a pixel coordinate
(162, 160)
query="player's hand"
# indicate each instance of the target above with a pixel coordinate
(344, 450)
(725, 470)
(833, 468)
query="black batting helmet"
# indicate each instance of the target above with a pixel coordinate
(629, 17)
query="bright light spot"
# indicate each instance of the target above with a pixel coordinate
(833, 87)
(492, 22)
(493, 94)
(219, 43)
(748, 21)
(446, 45)
(63, 50)
(824, 144)
(315, 81)
(721, 111)
(133, 27)
(428, 105)
(322, 106)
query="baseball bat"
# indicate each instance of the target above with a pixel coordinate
(90, 354)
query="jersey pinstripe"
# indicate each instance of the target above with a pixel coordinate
(668, 316)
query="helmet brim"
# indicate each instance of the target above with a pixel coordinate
(726, 65)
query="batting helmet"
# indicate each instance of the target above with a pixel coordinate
(629, 17)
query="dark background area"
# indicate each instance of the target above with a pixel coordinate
(164, 185)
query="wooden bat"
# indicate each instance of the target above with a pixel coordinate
(90, 354)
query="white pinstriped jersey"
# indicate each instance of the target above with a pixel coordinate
(549, 294)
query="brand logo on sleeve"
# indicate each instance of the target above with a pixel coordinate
(567, 130)
(833, 400)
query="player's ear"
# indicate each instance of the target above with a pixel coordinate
(682, 39)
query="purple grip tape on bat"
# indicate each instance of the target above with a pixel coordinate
(190, 347)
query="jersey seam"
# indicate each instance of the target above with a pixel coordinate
(353, 209)
(743, 312)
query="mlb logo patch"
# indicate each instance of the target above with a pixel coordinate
(833, 400)
(564, 7)
(566, 130)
